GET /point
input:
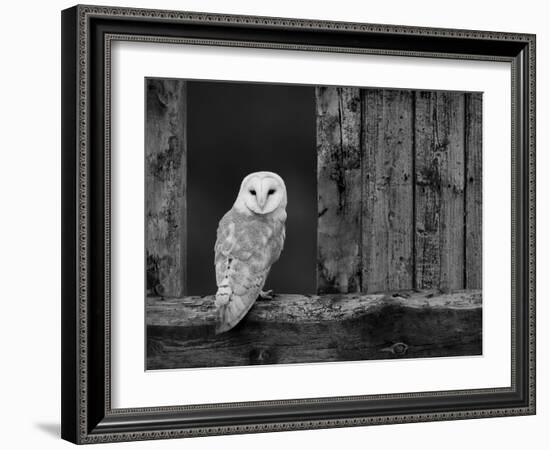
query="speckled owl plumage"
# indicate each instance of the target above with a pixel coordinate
(247, 245)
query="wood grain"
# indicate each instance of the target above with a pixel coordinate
(473, 190)
(439, 190)
(387, 213)
(338, 184)
(331, 327)
(165, 186)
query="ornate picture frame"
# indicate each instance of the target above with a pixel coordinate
(87, 35)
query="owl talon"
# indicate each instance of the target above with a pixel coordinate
(266, 295)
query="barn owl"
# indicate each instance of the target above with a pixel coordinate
(249, 240)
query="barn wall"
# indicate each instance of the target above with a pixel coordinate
(399, 189)
(398, 180)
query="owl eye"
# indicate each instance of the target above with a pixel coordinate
(271, 191)
(252, 191)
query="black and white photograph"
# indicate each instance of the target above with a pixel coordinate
(290, 223)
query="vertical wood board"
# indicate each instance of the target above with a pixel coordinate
(338, 185)
(439, 189)
(473, 190)
(165, 187)
(387, 223)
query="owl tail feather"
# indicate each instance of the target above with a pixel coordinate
(230, 309)
(237, 292)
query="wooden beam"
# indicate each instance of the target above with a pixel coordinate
(165, 187)
(299, 329)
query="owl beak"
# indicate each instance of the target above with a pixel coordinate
(262, 199)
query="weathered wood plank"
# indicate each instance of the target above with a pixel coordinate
(165, 186)
(332, 327)
(194, 311)
(387, 215)
(473, 190)
(439, 192)
(339, 195)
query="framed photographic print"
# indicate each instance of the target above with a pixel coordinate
(277, 224)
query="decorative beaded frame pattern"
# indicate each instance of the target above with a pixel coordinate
(84, 14)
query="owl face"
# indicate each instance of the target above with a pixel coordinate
(262, 193)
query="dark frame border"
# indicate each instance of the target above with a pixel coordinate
(87, 33)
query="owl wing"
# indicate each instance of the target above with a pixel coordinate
(278, 241)
(243, 257)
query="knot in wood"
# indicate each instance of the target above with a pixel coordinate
(399, 348)
(261, 356)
